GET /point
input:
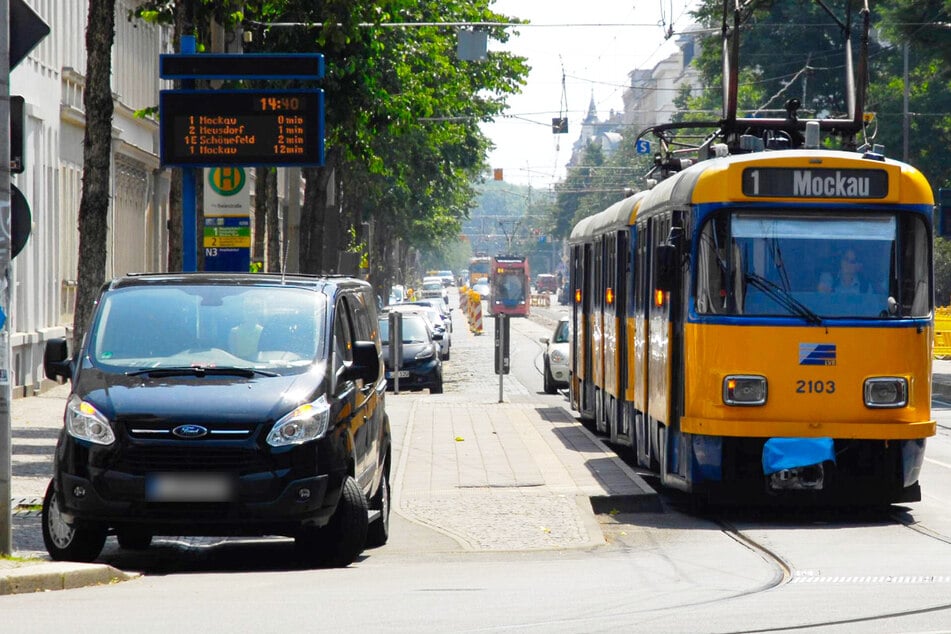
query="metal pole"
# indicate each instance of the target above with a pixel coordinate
(500, 351)
(6, 394)
(189, 191)
(906, 118)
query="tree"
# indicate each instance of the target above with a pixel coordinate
(97, 151)
(402, 114)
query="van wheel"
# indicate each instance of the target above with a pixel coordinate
(133, 539)
(379, 531)
(68, 542)
(340, 542)
(549, 382)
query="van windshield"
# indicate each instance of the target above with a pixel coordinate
(260, 328)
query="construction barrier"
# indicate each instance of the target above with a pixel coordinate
(541, 299)
(942, 333)
(474, 312)
(477, 321)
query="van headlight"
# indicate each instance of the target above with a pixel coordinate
(85, 422)
(307, 422)
(744, 390)
(886, 391)
(558, 356)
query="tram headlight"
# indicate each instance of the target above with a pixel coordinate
(886, 391)
(744, 389)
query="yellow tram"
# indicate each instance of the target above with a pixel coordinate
(763, 321)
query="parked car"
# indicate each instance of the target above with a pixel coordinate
(448, 279)
(482, 288)
(420, 365)
(397, 294)
(223, 404)
(556, 371)
(435, 321)
(432, 288)
(441, 307)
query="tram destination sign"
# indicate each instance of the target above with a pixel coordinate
(786, 182)
(205, 128)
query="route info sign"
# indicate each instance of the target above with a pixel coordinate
(227, 230)
(204, 128)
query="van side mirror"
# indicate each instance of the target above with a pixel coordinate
(365, 365)
(56, 361)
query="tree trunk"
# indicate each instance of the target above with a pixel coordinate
(97, 155)
(175, 221)
(274, 229)
(314, 214)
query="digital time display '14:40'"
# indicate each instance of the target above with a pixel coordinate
(281, 103)
(242, 127)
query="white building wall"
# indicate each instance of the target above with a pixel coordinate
(51, 81)
(650, 100)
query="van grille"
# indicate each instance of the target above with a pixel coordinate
(142, 460)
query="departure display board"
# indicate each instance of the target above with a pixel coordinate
(205, 128)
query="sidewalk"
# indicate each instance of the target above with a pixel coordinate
(36, 422)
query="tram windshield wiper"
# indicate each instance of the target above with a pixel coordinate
(200, 370)
(782, 297)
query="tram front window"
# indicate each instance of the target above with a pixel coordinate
(510, 288)
(814, 266)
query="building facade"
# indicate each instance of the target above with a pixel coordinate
(650, 99)
(52, 79)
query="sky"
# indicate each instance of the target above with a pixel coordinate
(594, 44)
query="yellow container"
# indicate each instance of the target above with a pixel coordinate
(942, 333)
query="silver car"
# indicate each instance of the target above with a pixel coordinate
(556, 371)
(435, 323)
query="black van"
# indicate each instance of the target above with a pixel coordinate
(223, 404)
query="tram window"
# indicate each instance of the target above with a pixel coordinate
(774, 264)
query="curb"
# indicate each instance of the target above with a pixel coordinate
(57, 575)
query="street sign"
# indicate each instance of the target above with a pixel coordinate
(21, 221)
(26, 31)
(227, 192)
(643, 146)
(241, 127)
(241, 66)
(227, 243)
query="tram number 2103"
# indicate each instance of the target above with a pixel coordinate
(815, 387)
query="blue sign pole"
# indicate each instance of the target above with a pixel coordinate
(189, 193)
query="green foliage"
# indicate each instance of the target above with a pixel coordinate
(401, 107)
(942, 272)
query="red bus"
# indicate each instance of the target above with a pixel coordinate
(511, 286)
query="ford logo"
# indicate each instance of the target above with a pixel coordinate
(190, 431)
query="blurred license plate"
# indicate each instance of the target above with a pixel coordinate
(189, 487)
(403, 374)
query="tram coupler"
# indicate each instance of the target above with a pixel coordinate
(809, 478)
